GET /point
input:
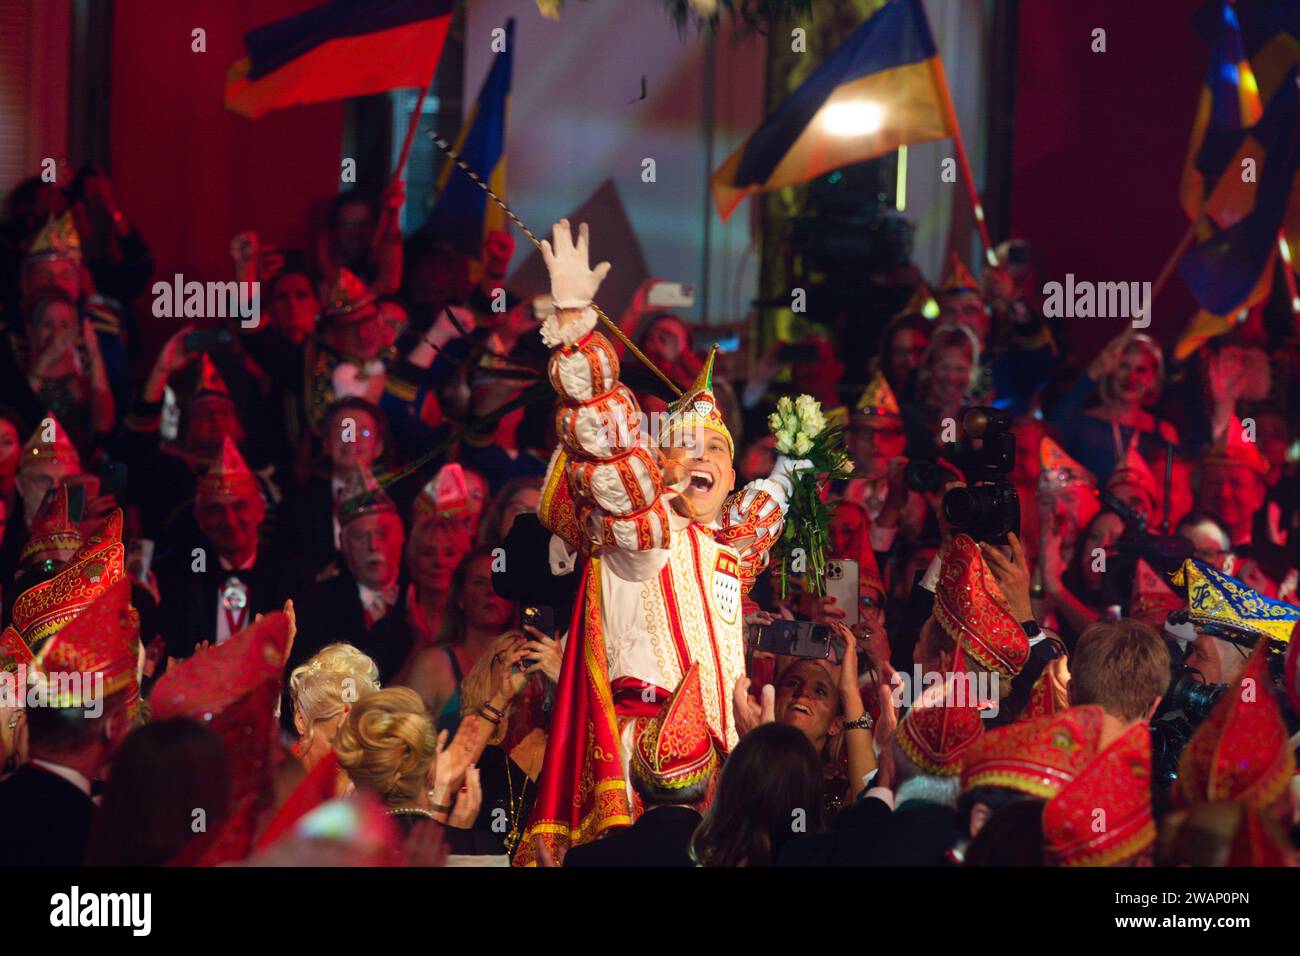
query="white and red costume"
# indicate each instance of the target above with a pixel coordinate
(661, 592)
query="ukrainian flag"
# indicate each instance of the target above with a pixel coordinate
(339, 49)
(883, 88)
(1229, 104)
(462, 214)
(1226, 270)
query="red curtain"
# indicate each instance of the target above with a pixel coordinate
(1099, 145)
(191, 174)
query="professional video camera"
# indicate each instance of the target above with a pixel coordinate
(1190, 699)
(988, 507)
(1164, 552)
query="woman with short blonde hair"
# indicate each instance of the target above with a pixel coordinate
(323, 690)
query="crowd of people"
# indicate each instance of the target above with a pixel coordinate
(371, 579)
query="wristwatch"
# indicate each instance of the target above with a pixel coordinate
(862, 723)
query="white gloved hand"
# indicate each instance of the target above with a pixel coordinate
(573, 282)
(784, 470)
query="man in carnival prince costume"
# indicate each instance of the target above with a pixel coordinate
(671, 553)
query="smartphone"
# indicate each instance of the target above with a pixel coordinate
(208, 340)
(796, 639)
(82, 489)
(842, 584)
(671, 295)
(112, 477)
(540, 617)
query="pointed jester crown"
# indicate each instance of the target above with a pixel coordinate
(698, 408)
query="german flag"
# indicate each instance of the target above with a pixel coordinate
(884, 87)
(339, 49)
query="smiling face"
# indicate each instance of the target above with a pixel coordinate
(707, 457)
(1233, 494)
(438, 545)
(950, 377)
(231, 523)
(806, 698)
(1134, 380)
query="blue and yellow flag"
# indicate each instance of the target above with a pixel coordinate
(883, 88)
(1225, 271)
(1229, 105)
(1215, 598)
(339, 49)
(462, 214)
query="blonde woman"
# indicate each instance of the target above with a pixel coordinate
(388, 747)
(323, 690)
(505, 713)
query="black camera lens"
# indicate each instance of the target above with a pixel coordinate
(1194, 697)
(923, 474)
(821, 633)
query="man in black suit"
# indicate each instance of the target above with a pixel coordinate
(47, 800)
(362, 603)
(673, 761)
(217, 586)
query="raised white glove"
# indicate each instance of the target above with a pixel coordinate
(573, 282)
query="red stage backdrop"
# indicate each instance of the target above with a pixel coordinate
(1099, 145)
(190, 173)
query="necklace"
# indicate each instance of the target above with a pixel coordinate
(409, 811)
(513, 809)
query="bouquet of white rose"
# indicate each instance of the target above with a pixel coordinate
(802, 431)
